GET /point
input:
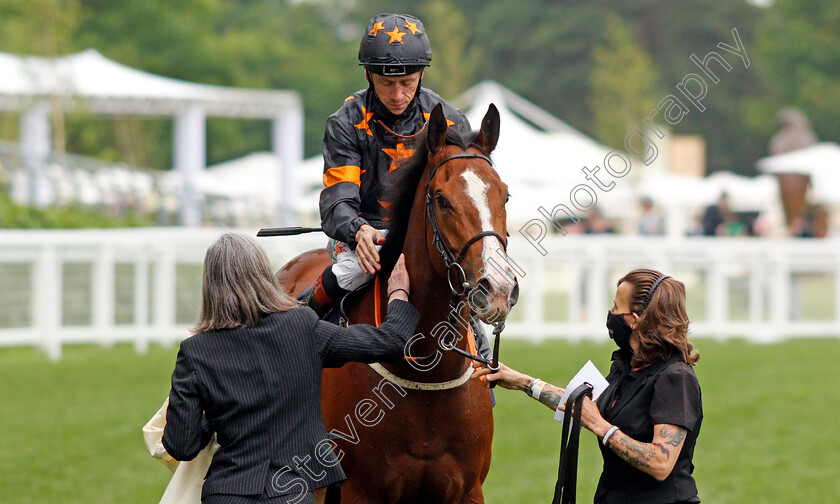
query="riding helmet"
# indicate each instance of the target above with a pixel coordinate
(395, 44)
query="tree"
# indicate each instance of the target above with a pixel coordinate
(543, 50)
(623, 84)
(798, 46)
(39, 27)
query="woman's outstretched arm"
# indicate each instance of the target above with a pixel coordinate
(510, 378)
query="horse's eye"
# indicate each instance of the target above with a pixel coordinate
(441, 201)
(507, 199)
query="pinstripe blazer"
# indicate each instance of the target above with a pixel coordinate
(259, 389)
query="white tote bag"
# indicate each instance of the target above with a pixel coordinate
(188, 478)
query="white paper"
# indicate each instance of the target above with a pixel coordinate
(588, 373)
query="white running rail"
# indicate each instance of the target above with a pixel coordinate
(143, 285)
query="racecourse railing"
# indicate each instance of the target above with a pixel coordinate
(142, 286)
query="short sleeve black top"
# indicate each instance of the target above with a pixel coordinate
(666, 392)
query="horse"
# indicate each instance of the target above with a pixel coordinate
(420, 430)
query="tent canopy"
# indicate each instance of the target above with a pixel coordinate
(811, 159)
(95, 83)
(88, 81)
(539, 156)
(821, 161)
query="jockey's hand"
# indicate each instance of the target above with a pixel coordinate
(508, 378)
(399, 280)
(367, 238)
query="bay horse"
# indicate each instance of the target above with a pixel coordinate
(423, 433)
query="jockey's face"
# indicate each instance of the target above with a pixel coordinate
(395, 92)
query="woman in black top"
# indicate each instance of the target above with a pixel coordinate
(649, 416)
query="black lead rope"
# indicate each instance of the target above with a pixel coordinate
(564, 490)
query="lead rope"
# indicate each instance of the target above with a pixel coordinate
(566, 487)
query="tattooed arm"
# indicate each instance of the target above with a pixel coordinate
(551, 396)
(656, 458)
(510, 378)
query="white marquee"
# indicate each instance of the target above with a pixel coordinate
(88, 81)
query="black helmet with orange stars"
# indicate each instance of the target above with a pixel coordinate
(395, 44)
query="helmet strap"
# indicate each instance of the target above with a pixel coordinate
(419, 84)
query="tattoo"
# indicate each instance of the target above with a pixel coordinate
(664, 450)
(635, 453)
(550, 398)
(673, 435)
(527, 387)
(642, 455)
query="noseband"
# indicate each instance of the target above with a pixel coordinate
(452, 263)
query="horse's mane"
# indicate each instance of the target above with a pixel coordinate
(403, 187)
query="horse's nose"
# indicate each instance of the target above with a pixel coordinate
(514, 296)
(492, 303)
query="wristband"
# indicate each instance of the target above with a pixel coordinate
(607, 435)
(397, 290)
(536, 388)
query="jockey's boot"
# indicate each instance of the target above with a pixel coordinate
(323, 295)
(318, 300)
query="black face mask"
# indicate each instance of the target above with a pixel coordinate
(619, 330)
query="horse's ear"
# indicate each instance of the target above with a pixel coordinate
(488, 136)
(436, 136)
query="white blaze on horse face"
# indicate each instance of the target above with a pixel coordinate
(493, 255)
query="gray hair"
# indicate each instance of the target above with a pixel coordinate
(238, 286)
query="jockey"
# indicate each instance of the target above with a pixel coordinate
(360, 150)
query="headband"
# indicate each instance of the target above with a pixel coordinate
(653, 289)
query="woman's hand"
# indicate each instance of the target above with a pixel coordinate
(367, 238)
(590, 417)
(398, 283)
(514, 380)
(506, 377)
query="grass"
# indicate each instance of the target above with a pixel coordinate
(71, 430)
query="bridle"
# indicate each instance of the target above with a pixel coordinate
(459, 287)
(452, 264)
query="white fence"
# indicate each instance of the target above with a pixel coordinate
(143, 285)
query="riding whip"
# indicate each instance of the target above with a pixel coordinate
(287, 231)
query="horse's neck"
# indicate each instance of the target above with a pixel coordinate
(430, 292)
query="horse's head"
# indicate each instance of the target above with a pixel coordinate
(466, 218)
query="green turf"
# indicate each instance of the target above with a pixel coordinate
(71, 430)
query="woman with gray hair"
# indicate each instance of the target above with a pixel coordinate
(251, 373)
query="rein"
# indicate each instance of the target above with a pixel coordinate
(566, 487)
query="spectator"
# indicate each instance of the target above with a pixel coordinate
(713, 217)
(597, 224)
(650, 222)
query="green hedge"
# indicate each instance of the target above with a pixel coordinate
(14, 216)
